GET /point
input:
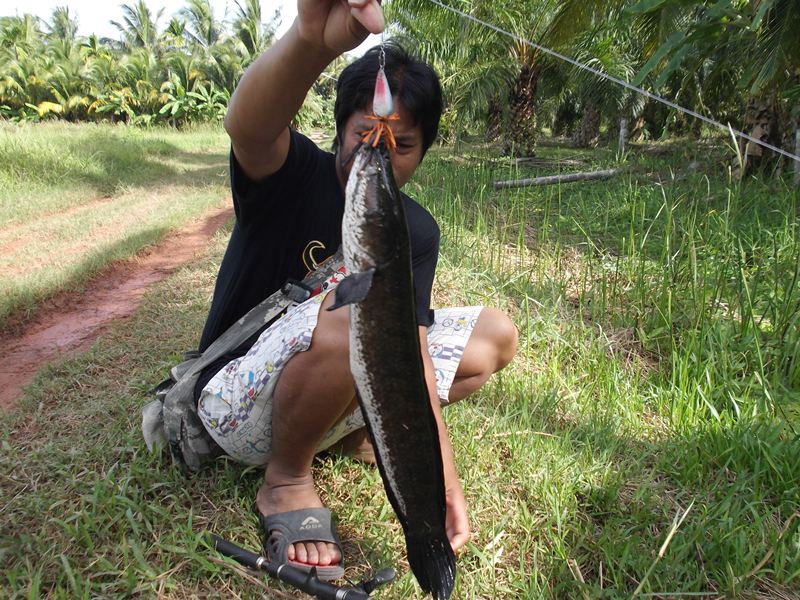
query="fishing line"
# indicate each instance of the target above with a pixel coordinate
(618, 81)
(382, 54)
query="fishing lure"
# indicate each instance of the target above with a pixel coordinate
(382, 109)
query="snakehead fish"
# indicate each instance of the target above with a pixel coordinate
(386, 363)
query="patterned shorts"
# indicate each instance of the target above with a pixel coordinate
(236, 404)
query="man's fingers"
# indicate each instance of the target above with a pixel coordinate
(458, 541)
(368, 13)
(458, 533)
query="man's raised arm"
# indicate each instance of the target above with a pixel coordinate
(274, 86)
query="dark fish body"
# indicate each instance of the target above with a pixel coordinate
(386, 363)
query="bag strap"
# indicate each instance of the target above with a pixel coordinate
(291, 293)
(189, 442)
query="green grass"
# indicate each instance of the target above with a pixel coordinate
(640, 441)
(74, 198)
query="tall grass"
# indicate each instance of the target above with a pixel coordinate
(637, 445)
(702, 272)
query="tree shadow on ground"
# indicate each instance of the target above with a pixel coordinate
(141, 164)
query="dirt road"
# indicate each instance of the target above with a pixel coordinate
(70, 323)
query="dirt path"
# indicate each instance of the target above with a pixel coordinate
(70, 323)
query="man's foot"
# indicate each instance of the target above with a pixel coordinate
(279, 496)
(357, 446)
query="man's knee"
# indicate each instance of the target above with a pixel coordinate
(499, 332)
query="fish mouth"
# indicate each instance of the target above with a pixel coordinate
(346, 160)
(380, 149)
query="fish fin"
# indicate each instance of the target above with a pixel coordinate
(433, 563)
(353, 288)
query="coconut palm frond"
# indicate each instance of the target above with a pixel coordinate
(62, 26)
(139, 28)
(203, 28)
(250, 30)
(778, 43)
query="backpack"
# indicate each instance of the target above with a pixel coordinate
(171, 419)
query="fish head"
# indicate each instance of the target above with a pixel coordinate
(374, 219)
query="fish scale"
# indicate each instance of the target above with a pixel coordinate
(386, 363)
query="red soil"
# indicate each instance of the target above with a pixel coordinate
(70, 322)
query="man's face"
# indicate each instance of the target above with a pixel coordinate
(405, 158)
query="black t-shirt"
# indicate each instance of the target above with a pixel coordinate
(288, 223)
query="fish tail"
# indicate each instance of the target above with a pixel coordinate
(433, 563)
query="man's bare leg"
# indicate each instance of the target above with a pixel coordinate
(314, 390)
(490, 347)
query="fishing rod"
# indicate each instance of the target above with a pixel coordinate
(305, 582)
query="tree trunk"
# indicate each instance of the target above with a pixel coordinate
(589, 130)
(520, 134)
(637, 132)
(760, 122)
(797, 153)
(564, 120)
(494, 120)
(623, 133)
(551, 179)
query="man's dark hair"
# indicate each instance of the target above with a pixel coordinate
(411, 80)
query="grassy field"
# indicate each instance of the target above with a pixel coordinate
(75, 198)
(641, 443)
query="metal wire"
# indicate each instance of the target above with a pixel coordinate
(621, 82)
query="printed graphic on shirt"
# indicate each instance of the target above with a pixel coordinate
(314, 255)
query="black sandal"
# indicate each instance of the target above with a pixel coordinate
(305, 525)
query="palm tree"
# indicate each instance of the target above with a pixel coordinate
(143, 73)
(608, 48)
(224, 66)
(23, 74)
(93, 48)
(480, 68)
(103, 69)
(753, 46)
(174, 37)
(26, 81)
(473, 64)
(774, 69)
(504, 74)
(133, 79)
(19, 33)
(184, 69)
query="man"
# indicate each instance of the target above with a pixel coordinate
(280, 398)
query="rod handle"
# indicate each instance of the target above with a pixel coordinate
(307, 582)
(239, 554)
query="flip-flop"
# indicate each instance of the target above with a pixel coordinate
(305, 525)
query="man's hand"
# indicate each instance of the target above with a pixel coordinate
(338, 25)
(274, 86)
(456, 521)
